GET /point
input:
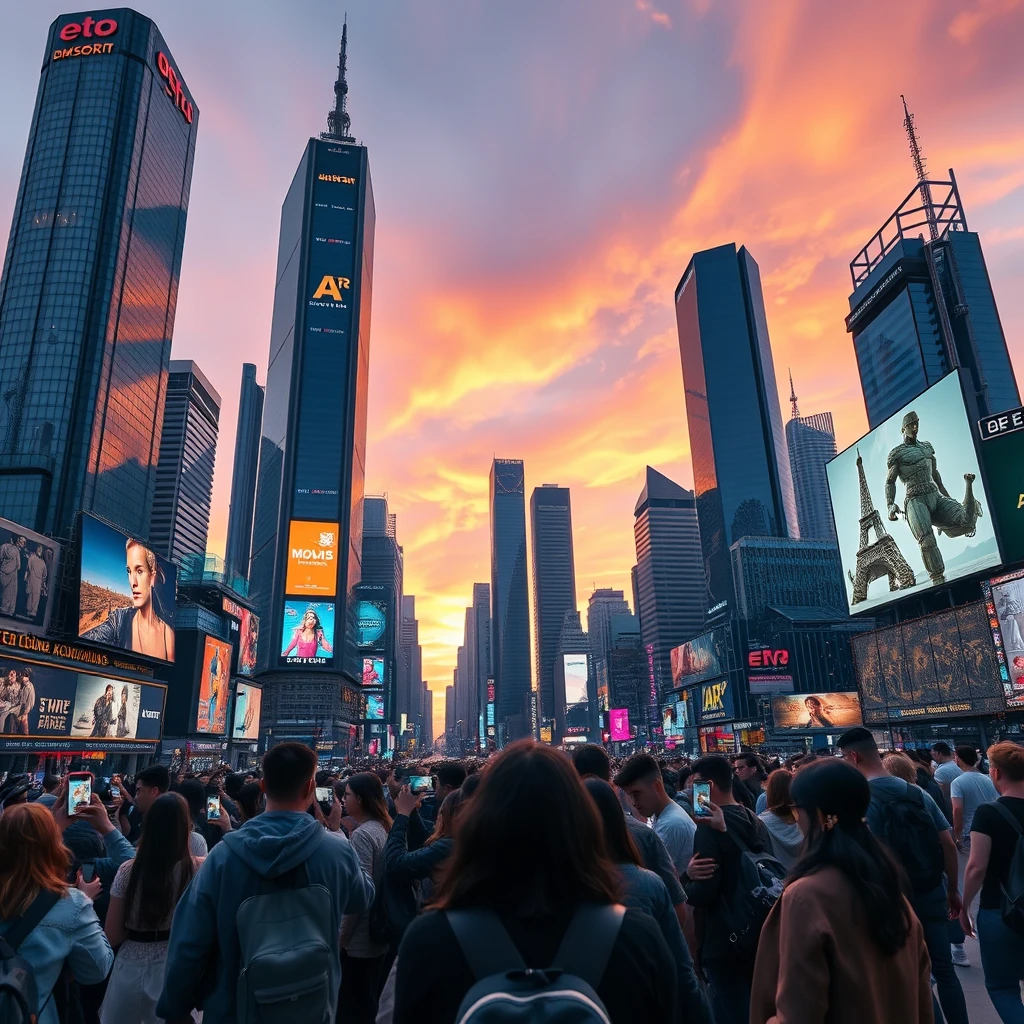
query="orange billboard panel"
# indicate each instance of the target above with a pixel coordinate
(312, 558)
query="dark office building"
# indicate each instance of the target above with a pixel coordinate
(90, 281)
(307, 529)
(921, 308)
(184, 473)
(604, 603)
(554, 583)
(478, 658)
(669, 573)
(243, 475)
(741, 466)
(409, 692)
(510, 605)
(812, 442)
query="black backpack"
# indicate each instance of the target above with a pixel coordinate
(910, 833)
(508, 992)
(1013, 888)
(760, 879)
(19, 993)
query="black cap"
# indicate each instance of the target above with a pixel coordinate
(14, 786)
(858, 734)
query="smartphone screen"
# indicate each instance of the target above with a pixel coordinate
(79, 790)
(88, 872)
(325, 794)
(212, 806)
(115, 793)
(701, 799)
(421, 784)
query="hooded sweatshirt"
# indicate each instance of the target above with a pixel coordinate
(787, 839)
(203, 955)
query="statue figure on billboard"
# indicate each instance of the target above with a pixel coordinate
(927, 504)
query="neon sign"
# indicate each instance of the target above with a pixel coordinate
(88, 28)
(173, 86)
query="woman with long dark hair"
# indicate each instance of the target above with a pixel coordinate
(842, 943)
(142, 900)
(529, 849)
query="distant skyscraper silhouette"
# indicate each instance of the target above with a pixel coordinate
(812, 442)
(604, 603)
(244, 473)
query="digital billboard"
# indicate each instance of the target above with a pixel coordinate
(817, 711)
(312, 559)
(45, 701)
(128, 593)
(1002, 457)
(577, 704)
(248, 642)
(245, 722)
(371, 623)
(373, 672)
(717, 702)
(307, 633)
(929, 519)
(618, 718)
(1004, 599)
(698, 659)
(768, 668)
(374, 707)
(29, 575)
(214, 687)
(674, 719)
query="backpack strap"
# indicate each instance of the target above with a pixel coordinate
(587, 944)
(484, 942)
(22, 926)
(1009, 816)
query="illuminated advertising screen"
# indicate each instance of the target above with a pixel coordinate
(128, 593)
(248, 642)
(1002, 457)
(307, 633)
(577, 705)
(214, 687)
(1004, 601)
(374, 707)
(232, 608)
(48, 702)
(698, 659)
(373, 672)
(29, 575)
(930, 519)
(717, 701)
(682, 716)
(768, 668)
(371, 623)
(619, 720)
(816, 711)
(668, 720)
(245, 724)
(312, 559)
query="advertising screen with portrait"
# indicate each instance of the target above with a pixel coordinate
(1004, 598)
(29, 576)
(618, 718)
(373, 672)
(245, 720)
(816, 711)
(698, 659)
(931, 521)
(248, 642)
(214, 687)
(128, 593)
(312, 559)
(577, 704)
(375, 707)
(371, 624)
(307, 633)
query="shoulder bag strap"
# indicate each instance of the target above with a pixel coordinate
(38, 909)
(1009, 816)
(484, 942)
(587, 944)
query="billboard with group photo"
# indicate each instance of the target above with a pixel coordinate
(214, 687)
(245, 723)
(29, 575)
(816, 711)
(307, 633)
(128, 593)
(931, 519)
(698, 659)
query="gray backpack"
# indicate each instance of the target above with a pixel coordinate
(287, 939)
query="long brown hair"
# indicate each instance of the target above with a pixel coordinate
(621, 845)
(777, 793)
(370, 791)
(444, 827)
(33, 858)
(530, 842)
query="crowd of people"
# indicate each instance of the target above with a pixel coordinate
(532, 885)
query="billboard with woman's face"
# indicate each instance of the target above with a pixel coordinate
(248, 642)
(817, 711)
(128, 593)
(214, 677)
(307, 633)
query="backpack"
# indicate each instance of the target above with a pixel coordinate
(1013, 888)
(287, 940)
(19, 993)
(506, 991)
(760, 879)
(910, 833)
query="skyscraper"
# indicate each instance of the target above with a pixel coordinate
(184, 473)
(812, 442)
(307, 530)
(741, 466)
(510, 606)
(604, 603)
(669, 570)
(409, 692)
(921, 308)
(554, 583)
(90, 282)
(244, 473)
(574, 682)
(478, 658)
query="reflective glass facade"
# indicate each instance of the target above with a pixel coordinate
(812, 442)
(243, 475)
(90, 282)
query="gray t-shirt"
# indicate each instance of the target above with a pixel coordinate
(946, 773)
(676, 830)
(973, 789)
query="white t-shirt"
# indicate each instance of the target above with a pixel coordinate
(676, 830)
(974, 789)
(946, 773)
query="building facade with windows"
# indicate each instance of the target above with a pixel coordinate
(244, 473)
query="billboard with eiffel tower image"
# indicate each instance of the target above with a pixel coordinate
(909, 503)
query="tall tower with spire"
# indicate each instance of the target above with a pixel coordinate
(307, 528)
(811, 441)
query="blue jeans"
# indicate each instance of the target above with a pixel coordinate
(729, 982)
(932, 913)
(1002, 957)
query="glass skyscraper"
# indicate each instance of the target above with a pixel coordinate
(922, 308)
(812, 442)
(510, 605)
(243, 474)
(741, 468)
(90, 281)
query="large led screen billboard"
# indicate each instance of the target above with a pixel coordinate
(375, 707)
(29, 575)
(816, 711)
(307, 633)
(245, 722)
(1002, 456)
(909, 503)
(618, 718)
(248, 642)
(698, 659)
(128, 593)
(371, 624)
(1004, 597)
(214, 687)
(577, 704)
(312, 559)
(373, 672)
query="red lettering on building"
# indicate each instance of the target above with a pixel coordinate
(88, 28)
(173, 86)
(767, 658)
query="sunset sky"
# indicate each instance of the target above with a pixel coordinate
(543, 171)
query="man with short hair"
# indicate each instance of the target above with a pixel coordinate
(750, 776)
(204, 954)
(946, 768)
(26, 700)
(48, 797)
(932, 902)
(447, 779)
(150, 783)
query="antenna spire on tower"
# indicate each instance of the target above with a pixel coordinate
(339, 123)
(792, 397)
(919, 167)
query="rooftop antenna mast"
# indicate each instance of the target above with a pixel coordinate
(339, 124)
(792, 397)
(922, 176)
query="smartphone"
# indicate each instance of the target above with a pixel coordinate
(421, 784)
(212, 806)
(325, 794)
(79, 790)
(115, 793)
(701, 799)
(88, 872)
